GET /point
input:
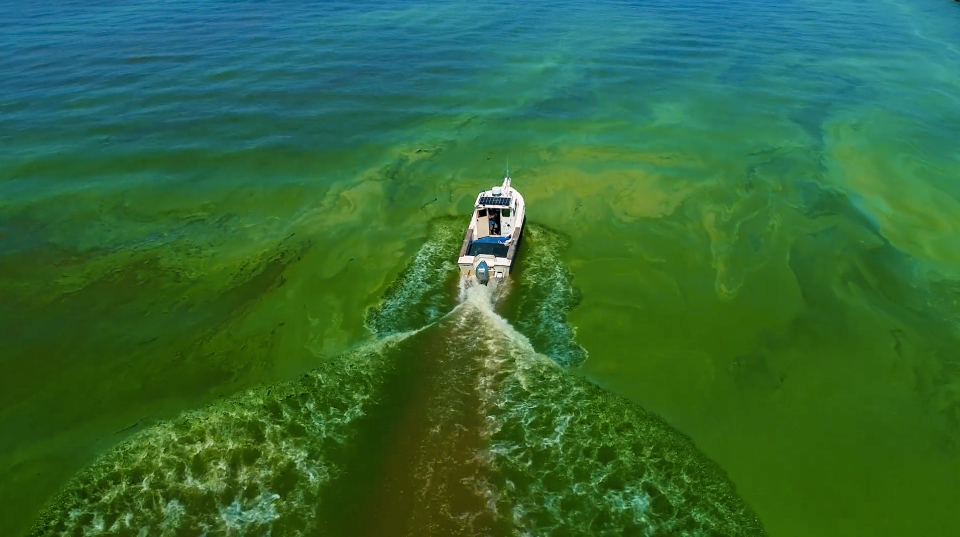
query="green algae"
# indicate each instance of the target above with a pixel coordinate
(759, 202)
(459, 427)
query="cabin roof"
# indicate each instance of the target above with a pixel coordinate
(494, 200)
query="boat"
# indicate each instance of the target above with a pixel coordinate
(490, 243)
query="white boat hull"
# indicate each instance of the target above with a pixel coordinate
(494, 232)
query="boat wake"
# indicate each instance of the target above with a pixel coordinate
(521, 447)
(421, 293)
(252, 465)
(459, 426)
(544, 294)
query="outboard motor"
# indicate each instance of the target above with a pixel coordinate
(483, 273)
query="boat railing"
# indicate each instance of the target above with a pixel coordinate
(467, 237)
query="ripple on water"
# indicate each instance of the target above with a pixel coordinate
(567, 458)
(544, 293)
(419, 295)
(471, 432)
(251, 465)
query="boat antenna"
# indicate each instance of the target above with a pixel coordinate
(506, 180)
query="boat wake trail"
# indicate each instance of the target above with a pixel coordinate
(251, 465)
(421, 294)
(456, 424)
(544, 294)
(560, 456)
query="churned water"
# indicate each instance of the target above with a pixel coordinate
(459, 427)
(228, 302)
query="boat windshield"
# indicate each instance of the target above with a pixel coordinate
(488, 248)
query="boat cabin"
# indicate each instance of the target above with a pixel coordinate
(494, 230)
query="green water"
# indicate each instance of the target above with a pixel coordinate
(756, 203)
(455, 426)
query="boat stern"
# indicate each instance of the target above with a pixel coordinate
(498, 267)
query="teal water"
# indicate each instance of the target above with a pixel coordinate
(756, 204)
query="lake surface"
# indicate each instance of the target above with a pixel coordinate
(227, 307)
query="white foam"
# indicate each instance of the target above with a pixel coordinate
(422, 281)
(262, 510)
(544, 468)
(97, 526)
(483, 298)
(547, 433)
(172, 512)
(227, 453)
